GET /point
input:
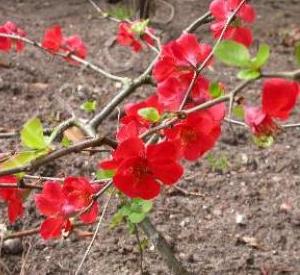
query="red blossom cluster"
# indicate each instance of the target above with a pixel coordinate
(13, 196)
(60, 202)
(279, 97)
(6, 43)
(141, 167)
(133, 34)
(222, 10)
(55, 42)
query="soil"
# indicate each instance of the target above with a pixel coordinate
(247, 220)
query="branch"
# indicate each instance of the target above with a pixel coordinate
(163, 248)
(204, 19)
(86, 63)
(60, 153)
(294, 75)
(123, 94)
(210, 55)
(88, 250)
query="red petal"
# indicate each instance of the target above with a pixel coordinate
(146, 189)
(162, 152)
(163, 68)
(167, 173)
(219, 9)
(52, 228)
(279, 97)
(187, 48)
(129, 148)
(50, 201)
(52, 39)
(239, 34)
(247, 13)
(15, 210)
(91, 215)
(127, 131)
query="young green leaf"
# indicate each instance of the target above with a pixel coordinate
(22, 159)
(248, 74)
(146, 206)
(150, 114)
(262, 56)
(263, 141)
(215, 90)
(238, 111)
(66, 142)
(105, 174)
(89, 106)
(136, 217)
(233, 54)
(32, 135)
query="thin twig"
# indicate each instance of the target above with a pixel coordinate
(210, 55)
(88, 250)
(163, 247)
(127, 90)
(86, 63)
(204, 19)
(78, 147)
(137, 236)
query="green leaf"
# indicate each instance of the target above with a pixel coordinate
(248, 74)
(146, 206)
(116, 219)
(297, 53)
(215, 90)
(136, 217)
(89, 106)
(140, 27)
(66, 142)
(21, 159)
(233, 54)
(238, 111)
(263, 141)
(32, 135)
(105, 174)
(125, 210)
(262, 56)
(149, 113)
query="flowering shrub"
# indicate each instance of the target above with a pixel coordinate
(181, 120)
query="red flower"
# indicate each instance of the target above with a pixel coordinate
(7, 43)
(52, 39)
(278, 100)
(279, 97)
(171, 92)
(55, 42)
(239, 34)
(74, 45)
(141, 169)
(221, 10)
(129, 36)
(132, 123)
(259, 122)
(180, 57)
(12, 196)
(59, 203)
(80, 194)
(196, 134)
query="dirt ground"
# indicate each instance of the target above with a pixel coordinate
(261, 188)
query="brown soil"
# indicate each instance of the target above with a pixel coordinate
(202, 230)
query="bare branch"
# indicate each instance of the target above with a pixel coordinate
(60, 153)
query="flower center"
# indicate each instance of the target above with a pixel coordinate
(188, 135)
